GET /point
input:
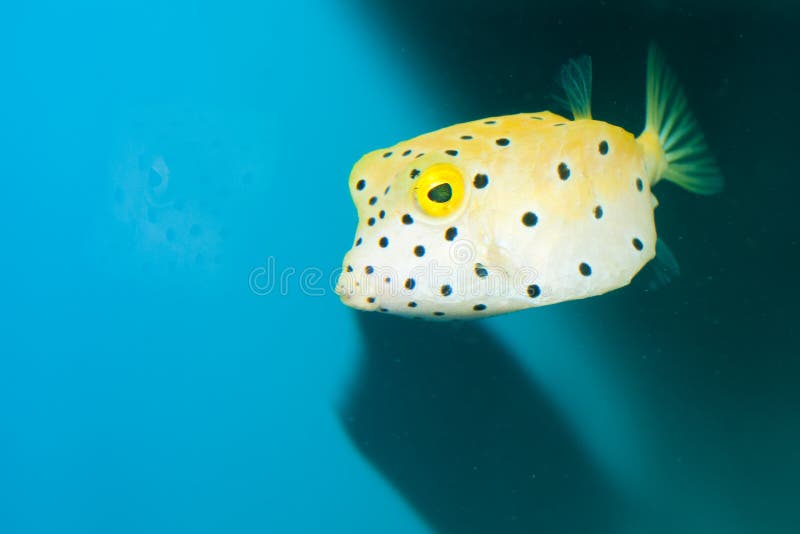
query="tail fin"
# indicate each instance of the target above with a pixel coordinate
(689, 162)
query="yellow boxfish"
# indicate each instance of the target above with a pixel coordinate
(512, 212)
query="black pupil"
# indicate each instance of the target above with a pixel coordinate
(441, 193)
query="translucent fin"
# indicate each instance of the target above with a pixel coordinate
(661, 270)
(689, 162)
(576, 80)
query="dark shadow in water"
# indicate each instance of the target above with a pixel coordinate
(447, 415)
(714, 354)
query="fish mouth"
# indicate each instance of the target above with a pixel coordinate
(348, 289)
(341, 290)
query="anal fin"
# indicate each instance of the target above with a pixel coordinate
(661, 270)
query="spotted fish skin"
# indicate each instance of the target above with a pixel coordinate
(501, 214)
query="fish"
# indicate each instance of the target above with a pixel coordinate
(519, 211)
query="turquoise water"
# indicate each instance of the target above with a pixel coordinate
(160, 160)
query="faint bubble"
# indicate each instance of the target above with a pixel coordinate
(154, 179)
(173, 229)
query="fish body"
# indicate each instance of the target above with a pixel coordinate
(511, 212)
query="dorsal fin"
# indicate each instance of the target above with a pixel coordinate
(576, 80)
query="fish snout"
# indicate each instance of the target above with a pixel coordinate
(352, 292)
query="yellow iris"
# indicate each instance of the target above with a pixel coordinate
(439, 190)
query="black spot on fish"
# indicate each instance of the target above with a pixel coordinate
(563, 171)
(369, 269)
(603, 147)
(479, 307)
(419, 251)
(387, 154)
(639, 184)
(438, 313)
(637, 243)
(407, 219)
(383, 242)
(451, 233)
(361, 184)
(407, 152)
(414, 173)
(412, 304)
(371, 221)
(530, 219)
(502, 141)
(446, 290)
(381, 214)
(598, 212)
(370, 299)
(534, 291)
(386, 191)
(358, 242)
(490, 122)
(536, 118)
(451, 152)
(480, 181)
(466, 137)
(481, 271)
(373, 200)
(349, 268)
(585, 269)
(410, 283)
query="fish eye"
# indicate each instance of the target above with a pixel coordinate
(439, 190)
